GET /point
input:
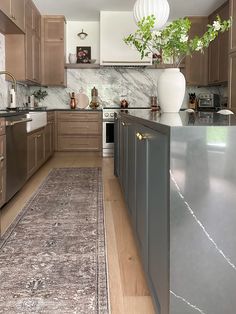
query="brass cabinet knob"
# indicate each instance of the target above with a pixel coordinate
(140, 136)
(1, 158)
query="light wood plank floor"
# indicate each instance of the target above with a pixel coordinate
(129, 293)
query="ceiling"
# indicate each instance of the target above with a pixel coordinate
(81, 10)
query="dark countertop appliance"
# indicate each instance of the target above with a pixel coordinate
(209, 101)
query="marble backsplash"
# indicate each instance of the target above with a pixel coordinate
(134, 84)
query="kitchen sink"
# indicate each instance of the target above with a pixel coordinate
(39, 120)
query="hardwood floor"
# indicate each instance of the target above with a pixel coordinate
(129, 293)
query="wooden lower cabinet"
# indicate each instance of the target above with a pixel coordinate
(2, 168)
(36, 151)
(79, 131)
(49, 135)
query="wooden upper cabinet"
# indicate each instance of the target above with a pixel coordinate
(196, 66)
(18, 12)
(232, 81)
(232, 10)
(13, 19)
(219, 50)
(5, 7)
(23, 52)
(53, 33)
(54, 29)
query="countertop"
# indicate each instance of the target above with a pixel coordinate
(181, 119)
(8, 113)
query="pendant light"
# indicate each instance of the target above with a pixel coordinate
(159, 8)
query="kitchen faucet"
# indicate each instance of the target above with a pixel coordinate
(12, 76)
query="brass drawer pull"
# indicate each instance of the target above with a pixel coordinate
(140, 136)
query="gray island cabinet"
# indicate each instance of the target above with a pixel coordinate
(178, 176)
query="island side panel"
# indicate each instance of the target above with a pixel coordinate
(202, 220)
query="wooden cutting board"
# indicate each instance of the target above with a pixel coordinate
(83, 100)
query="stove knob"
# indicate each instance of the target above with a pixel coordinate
(106, 115)
(112, 115)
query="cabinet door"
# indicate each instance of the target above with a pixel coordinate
(40, 148)
(197, 65)
(224, 47)
(29, 53)
(36, 59)
(5, 6)
(123, 156)
(158, 212)
(2, 169)
(233, 28)
(213, 57)
(54, 72)
(18, 11)
(54, 29)
(131, 174)
(232, 82)
(31, 152)
(48, 140)
(116, 148)
(141, 193)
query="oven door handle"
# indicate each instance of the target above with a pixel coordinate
(9, 123)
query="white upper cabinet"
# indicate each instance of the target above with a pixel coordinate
(114, 27)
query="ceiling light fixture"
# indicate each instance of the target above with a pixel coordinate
(159, 8)
(82, 35)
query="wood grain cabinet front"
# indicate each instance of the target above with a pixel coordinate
(53, 51)
(14, 10)
(2, 167)
(2, 162)
(49, 135)
(36, 151)
(219, 50)
(79, 131)
(23, 52)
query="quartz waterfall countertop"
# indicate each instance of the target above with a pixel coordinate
(157, 120)
(181, 195)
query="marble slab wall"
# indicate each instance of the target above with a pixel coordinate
(22, 91)
(134, 84)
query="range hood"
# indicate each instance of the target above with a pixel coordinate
(114, 27)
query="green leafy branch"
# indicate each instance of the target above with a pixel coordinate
(173, 42)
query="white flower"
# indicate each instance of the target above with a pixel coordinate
(216, 25)
(156, 33)
(183, 38)
(199, 45)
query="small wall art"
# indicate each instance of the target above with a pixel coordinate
(83, 54)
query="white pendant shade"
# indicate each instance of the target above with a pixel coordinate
(159, 8)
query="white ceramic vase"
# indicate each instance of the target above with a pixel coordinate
(171, 90)
(72, 58)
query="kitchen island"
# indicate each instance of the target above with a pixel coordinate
(178, 176)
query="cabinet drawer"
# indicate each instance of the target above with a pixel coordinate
(79, 128)
(79, 116)
(75, 143)
(2, 126)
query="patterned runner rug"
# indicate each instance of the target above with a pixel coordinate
(53, 259)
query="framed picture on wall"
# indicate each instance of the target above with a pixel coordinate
(83, 54)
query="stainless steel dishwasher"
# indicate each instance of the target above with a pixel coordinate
(16, 154)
